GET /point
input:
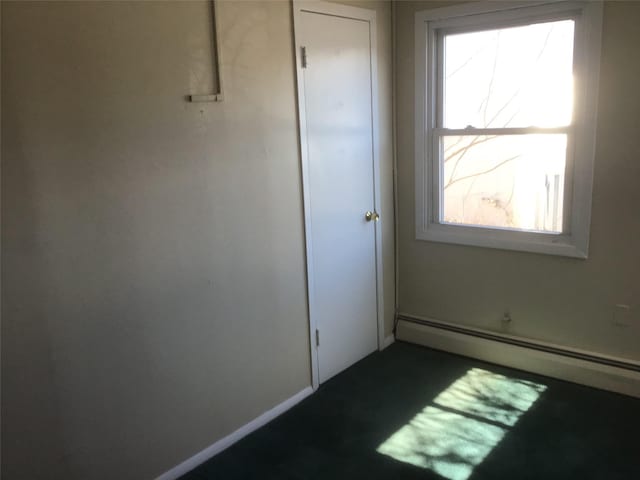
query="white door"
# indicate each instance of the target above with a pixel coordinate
(336, 103)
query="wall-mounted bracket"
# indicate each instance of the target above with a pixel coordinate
(206, 98)
(217, 96)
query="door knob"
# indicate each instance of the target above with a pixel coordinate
(371, 216)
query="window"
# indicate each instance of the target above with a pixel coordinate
(505, 124)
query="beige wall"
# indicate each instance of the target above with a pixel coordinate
(153, 253)
(560, 300)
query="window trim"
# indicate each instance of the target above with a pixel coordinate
(574, 240)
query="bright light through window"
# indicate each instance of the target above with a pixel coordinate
(502, 79)
(510, 77)
(504, 181)
(464, 423)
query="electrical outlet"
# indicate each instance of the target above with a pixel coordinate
(622, 315)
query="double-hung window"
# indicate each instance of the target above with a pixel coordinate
(505, 124)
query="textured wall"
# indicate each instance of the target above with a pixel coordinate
(560, 300)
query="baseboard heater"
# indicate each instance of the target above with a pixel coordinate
(519, 342)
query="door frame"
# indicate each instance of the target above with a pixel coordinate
(355, 13)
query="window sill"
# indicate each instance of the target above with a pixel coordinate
(533, 242)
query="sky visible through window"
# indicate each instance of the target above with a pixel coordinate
(506, 78)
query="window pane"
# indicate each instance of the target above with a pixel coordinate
(510, 77)
(507, 181)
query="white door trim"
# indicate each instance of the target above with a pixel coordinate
(369, 16)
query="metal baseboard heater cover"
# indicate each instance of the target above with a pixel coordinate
(520, 342)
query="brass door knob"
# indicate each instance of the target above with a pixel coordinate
(371, 216)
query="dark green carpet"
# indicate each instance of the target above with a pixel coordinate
(569, 432)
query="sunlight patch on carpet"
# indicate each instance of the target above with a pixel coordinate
(463, 424)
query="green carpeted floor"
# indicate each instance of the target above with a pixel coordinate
(414, 413)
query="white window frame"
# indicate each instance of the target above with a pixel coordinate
(573, 241)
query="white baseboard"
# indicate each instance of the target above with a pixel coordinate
(224, 443)
(575, 370)
(388, 340)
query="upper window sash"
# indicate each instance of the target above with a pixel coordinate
(437, 31)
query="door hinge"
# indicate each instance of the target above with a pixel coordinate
(317, 337)
(303, 55)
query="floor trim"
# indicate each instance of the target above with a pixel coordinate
(526, 342)
(495, 349)
(224, 443)
(388, 340)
